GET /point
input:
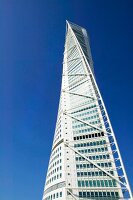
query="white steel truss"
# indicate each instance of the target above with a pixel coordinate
(80, 92)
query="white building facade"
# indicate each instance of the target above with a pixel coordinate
(85, 161)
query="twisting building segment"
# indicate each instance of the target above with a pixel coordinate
(85, 161)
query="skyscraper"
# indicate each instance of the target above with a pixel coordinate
(85, 161)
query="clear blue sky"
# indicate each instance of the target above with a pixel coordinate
(32, 34)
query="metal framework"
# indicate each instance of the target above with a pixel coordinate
(74, 56)
(109, 131)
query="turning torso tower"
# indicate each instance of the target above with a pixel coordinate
(85, 161)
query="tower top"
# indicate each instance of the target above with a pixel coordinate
(83, 40)
(72, 25)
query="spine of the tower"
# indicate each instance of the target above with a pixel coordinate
(85, 161)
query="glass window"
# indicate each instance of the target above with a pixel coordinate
(108, 194)
(96, 194)
(78, 173)
(90, 183)
(116, 194)
(84, 165)
(112, 194)
(57, 195)
(84, 194)
(79, 183)
(88, 194)
(92, 194)
(102, 183)
(80, 194)
(114, 183)
(86, 183)
(89, 173)
(81, 173)
(100, 173)
(85, 173)
(94, 183)
(106, 183)
(98, 183)
(93, 174)
(96, 173)
(104, 194)
(100, 194)
(83, 184)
